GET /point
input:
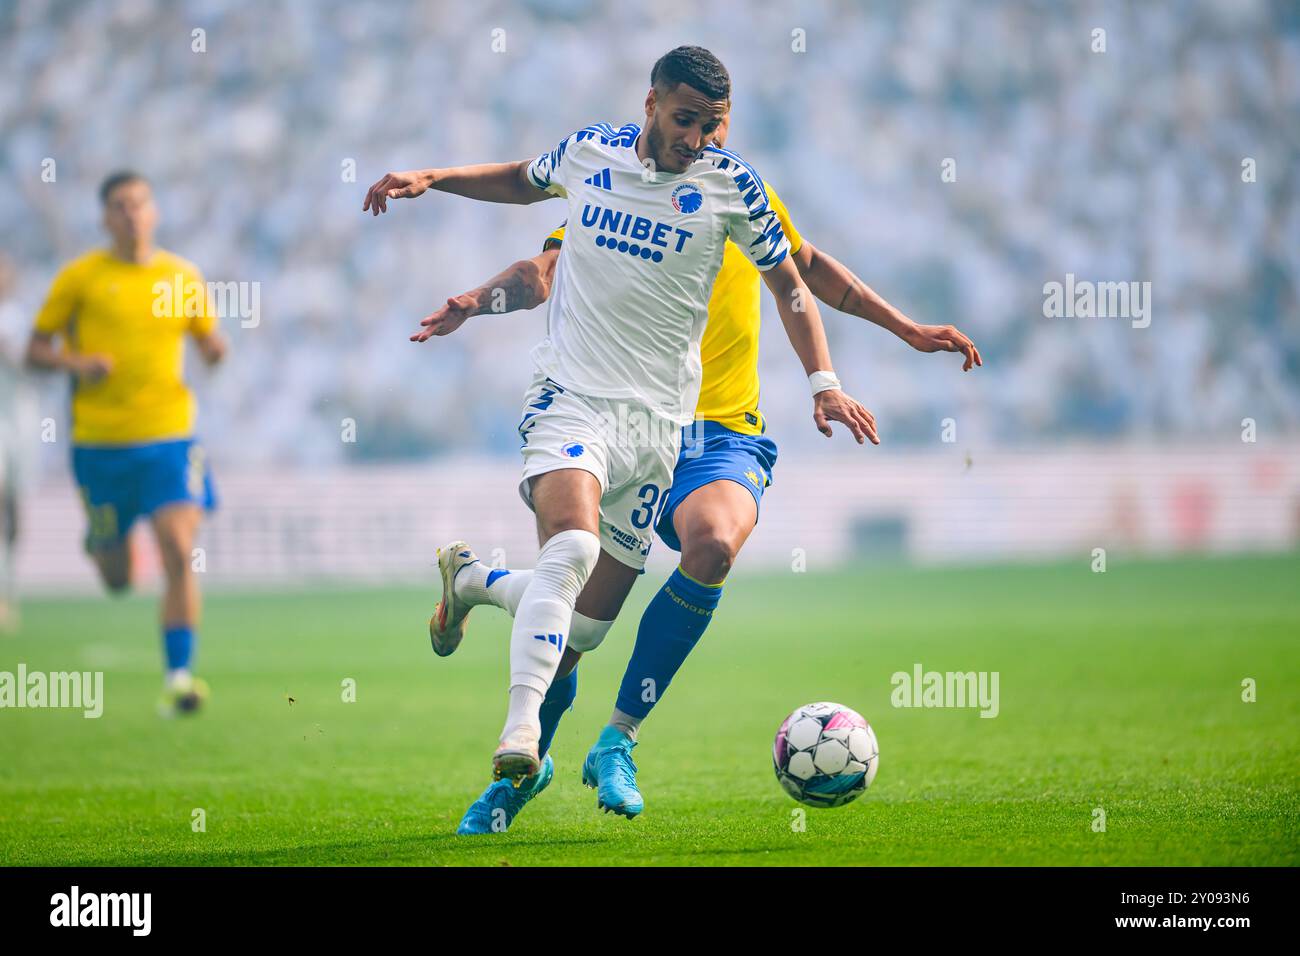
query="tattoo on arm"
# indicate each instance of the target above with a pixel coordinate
(828, 271)
(517, 291)
(845, 298)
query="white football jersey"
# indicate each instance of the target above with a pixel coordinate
(641, 250)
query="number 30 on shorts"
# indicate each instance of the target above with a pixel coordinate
(648, 513)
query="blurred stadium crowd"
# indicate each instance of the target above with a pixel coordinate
(1122, 165)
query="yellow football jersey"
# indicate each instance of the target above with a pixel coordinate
(729, 348)
(137, 315)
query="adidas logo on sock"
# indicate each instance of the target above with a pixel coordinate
(556, 639)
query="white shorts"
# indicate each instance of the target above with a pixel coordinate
(630, 448)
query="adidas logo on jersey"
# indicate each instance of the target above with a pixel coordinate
(600, 180)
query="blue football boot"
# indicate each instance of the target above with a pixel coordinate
(501, 802)
(609, 768)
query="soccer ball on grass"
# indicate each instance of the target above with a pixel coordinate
(825, 755)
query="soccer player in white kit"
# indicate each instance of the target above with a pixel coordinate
(619, 370)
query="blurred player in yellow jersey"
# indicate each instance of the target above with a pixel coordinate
(725, 465)
(117, 319)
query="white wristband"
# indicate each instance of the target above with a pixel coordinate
(823, 381)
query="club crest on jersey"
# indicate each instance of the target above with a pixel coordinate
(572, 449)
(687, 198)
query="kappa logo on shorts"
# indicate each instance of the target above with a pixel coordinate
(572, 449)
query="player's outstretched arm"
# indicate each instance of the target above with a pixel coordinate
(489, 182)
(212, 346)
(803, 326)
(837, 285)
(524, 285)
(44, 354)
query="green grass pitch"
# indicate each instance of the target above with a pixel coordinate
(1120, 691)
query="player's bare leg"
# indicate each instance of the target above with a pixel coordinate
(712, 524)
(608, 587)
(567, 505)
(565, 500)
(175, 528)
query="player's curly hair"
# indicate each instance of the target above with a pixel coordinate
(694, 66)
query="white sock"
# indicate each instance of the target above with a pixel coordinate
(542, 619)
(625, 722)
(506, 591)
(524, 702)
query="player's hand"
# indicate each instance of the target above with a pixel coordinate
(212, 347)
(407, 185)
(449, 318)
(92, 368)
(943, 338)
(833, 405)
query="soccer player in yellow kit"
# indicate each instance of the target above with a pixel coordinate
(725, 465)
(122, 314)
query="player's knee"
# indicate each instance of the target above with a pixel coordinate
(560, 521)
(563, 501)
(566, 561)
(709, 554)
